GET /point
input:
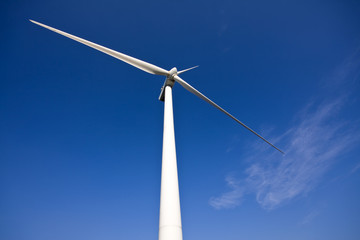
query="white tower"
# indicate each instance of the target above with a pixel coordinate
(170, 215)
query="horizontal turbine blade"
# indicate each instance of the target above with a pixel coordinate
(200, 95)
(147, 67)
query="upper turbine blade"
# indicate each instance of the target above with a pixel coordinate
(147, 67)
(185, 70)
(200, 95)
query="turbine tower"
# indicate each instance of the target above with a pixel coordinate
(170, 215)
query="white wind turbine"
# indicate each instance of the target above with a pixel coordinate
(170, 216)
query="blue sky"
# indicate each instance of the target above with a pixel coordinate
(81, 132)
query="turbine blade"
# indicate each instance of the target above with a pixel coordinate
(147, 67)
(200, 95)
(185, 70)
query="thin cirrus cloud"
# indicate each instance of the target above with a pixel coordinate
(310, 217)
(313, 144)
(229, 199)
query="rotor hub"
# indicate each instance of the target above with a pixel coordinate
(172, 73)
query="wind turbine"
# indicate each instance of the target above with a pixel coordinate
(170, 216)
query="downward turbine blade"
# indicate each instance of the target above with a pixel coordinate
(147, 67)
(200, 95)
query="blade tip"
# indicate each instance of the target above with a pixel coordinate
(33, 21)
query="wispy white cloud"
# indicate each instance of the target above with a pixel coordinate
(355, 169)
(316, 139)
(313, 144)
(229, 199)
(309, 217)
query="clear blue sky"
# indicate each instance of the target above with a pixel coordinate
(81, 132)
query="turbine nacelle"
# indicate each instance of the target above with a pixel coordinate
(169, 81)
